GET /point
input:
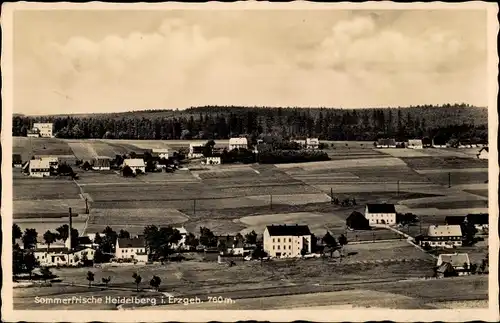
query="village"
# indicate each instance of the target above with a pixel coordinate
(49, 257)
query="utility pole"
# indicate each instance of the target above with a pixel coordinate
(449, 180)
(398, 187)
(194, 207)
(271, 201)
(331, 195)
(86, 206)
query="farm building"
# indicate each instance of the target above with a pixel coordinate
(357, 221)
(445, 270)
(386, 143)
(445, 236)
(39, 168)
(439, 142)
(459, 261)
(454, 220)
(238, 143)
(196, 150)
(480, 220)
(380, 213)
(17, 161)
(312, 143)
(415, 144)
(131, 249)
(43, 129)
(181, 244)
(101, 163)
(53, 160)
(62, 256)
(483, 153)
(161, 153)
(286, 241)
(214, 160)
(135, 164)
(32, 133)
(231, 245)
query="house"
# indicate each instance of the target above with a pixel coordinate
(459, 261)
(53, 160)
(445, 236)
(415, 144)
(39, 168)
(480, 220)
(483, 153)
(196, 150)
(214, 160)
(386, 143)
(426, 142)
(287, 240)
(44, 129)
(357, 221)
(181, 244)
(380, 213)
(231, 245)
(131, 249)
(454, 220)
(162, 153)
(439, 142)
(312, 143)
(17, 161)
(33, 133)
(136, 164)
(63, 256)
(101, 163)
(445, 270)
(238, 143)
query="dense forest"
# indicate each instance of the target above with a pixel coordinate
(221, 122)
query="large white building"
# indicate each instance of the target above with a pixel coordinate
(285, 241)
(135, 164)
(196, 150)
(415, 144)
(62, 256)
(444, 236)
(133, 249)
(39, 168)
(312, 143)
(238, 143)
(380, 214)
(43, 129)
(162, 153)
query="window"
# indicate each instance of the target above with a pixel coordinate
(289, 239)
(278, 239)
(278, 247)
(273, 247)
(289, 247)
(273, 240)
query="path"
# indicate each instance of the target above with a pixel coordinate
(409, 238)
(84, 196)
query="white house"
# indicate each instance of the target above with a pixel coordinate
(386, 143)
(62, 256)
(457, 260)
(162, 153)
(483, 153)
(135, 164)
(445, 236)
(196, 150)
(44, 129)
(237, 143)
(312, 143)
(32, 134)
(101, 163)
(131, 249)
(286, 241)
(380, 214)
(39, 168)
(181, 244)
(415, 144)
(213, 160)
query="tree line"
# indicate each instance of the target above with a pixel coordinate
(221, 122)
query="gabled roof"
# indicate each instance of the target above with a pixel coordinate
(381, 208)
(356, 215)
(445, 267)
(288, 230)
(181, 230)
(454, 219)
(415, 142)
(238, 141)
(386, 142)
(484, 148)
(444, 231)
(134, 162)
(479, 219)
(101, 162)
(39, 164)
(84, 240)
(131, 243)
(455, 259)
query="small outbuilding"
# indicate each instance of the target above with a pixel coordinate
(357, 221)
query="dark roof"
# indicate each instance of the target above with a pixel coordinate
(101, 162)
(357, 221)
(16, 158)
(454, 219)
(381, 208)
(356, 215)
(480, 218)
(131, 243)
(484, 148)
(386, 141)
(288, 230)
(84, 240)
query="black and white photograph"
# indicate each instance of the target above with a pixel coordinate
(317, 161)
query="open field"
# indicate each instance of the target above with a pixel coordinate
(44, 189)
(444, 162)
(23, 208)
(41, 225)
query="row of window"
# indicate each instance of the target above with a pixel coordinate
(33, 170)
(133, 250)
(284, 247)
(284, 240)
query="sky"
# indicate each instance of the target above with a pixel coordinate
(83, 61)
